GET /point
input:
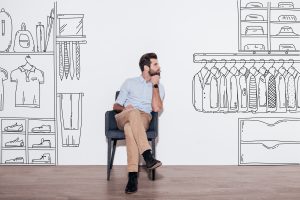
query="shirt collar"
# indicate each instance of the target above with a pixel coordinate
(31, 70)
(141, 78)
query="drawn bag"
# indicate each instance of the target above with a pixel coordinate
(5, 31)
(23, 40)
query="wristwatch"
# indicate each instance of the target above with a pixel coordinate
(155, 85)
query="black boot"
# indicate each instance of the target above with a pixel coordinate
(151, 162)
(131, 186)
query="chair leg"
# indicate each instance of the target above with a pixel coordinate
(113, 154)
(154, 154)
(108, 157)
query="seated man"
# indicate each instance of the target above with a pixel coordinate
(137, 98)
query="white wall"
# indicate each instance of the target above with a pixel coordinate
(118, 33)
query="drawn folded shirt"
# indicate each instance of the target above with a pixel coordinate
(254, 17)
(287, 18)
(285, 5)
(254, 47)
(254, 5)
(287, 47)
(254, 30)
(287, 31)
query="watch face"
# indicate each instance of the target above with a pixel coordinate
(155, 85)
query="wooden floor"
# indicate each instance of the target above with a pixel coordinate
(173, 182)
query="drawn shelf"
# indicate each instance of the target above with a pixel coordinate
(27, 53)
(268, 20)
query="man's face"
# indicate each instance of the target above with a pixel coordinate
(154, 67)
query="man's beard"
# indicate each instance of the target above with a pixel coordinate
(152, 73)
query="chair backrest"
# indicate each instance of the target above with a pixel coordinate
(117, 94)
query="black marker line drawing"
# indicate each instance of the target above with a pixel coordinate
(50, 22)
(15, 143)
(263, 27)
(43, 144)
(70, 112)
(60, 37)
(44, 159)
(68, 43)
(6, 31)
(228, 89)
(27, 93)
(26, 139)
(40, 38)
(268, 141)
(17, 160)
(3, 77)
(24, 40)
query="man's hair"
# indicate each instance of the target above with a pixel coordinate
(145, 60)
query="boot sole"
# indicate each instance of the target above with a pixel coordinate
(130, 192)
(155, 166)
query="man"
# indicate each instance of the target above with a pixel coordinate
(137, 98)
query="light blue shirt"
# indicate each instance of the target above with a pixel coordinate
(138, 93)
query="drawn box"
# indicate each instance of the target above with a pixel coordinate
(70, 24)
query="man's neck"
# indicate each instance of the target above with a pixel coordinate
(146, 77)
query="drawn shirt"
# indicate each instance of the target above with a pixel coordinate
(3, 77)
(252, 90)
(28, 82)
(198, 87)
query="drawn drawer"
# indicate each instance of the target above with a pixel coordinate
(280, 129)
(268, 153)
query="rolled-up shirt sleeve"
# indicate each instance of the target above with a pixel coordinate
(124, 90)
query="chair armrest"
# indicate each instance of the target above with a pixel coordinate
(154, 122)
(110, 121)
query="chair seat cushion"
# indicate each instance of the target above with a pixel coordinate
(117, 134)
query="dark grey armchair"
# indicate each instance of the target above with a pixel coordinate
(113, 134)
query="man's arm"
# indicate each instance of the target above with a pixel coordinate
(157, 104)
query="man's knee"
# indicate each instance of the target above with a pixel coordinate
(127, 130)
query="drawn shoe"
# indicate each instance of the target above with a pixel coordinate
(151, 162)
(43, 144)
(14, 128)
(15, 143)
(18, 160)
(45, 159)
(132, 184)
(42, 129)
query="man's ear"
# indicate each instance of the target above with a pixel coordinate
(147, 68)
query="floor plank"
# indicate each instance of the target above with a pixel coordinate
(173, 182)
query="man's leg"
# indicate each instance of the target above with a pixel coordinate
(132, 150)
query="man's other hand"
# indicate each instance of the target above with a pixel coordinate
(155, 79)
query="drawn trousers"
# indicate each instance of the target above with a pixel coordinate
(134, 123)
